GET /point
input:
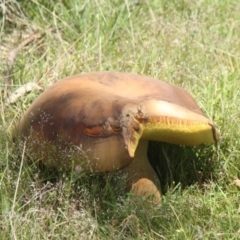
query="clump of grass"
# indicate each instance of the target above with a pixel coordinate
(189, 43)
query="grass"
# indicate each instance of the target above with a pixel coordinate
(193, 44)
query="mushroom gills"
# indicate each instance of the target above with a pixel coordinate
(167, 122)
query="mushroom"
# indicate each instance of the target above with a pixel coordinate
(103, 121)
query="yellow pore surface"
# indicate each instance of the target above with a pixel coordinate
(178, 131)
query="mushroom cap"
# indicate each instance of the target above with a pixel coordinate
(105, 114)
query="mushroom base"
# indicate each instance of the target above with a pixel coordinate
(141, 178)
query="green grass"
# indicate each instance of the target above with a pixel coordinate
(193, 44)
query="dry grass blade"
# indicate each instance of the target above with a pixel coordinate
(13, 54)
(237, 182)
(15, 194)
(21, 91)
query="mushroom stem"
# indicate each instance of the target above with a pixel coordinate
(141, 178)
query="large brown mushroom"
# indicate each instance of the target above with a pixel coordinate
(103, 121)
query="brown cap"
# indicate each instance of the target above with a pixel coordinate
(106, 114)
